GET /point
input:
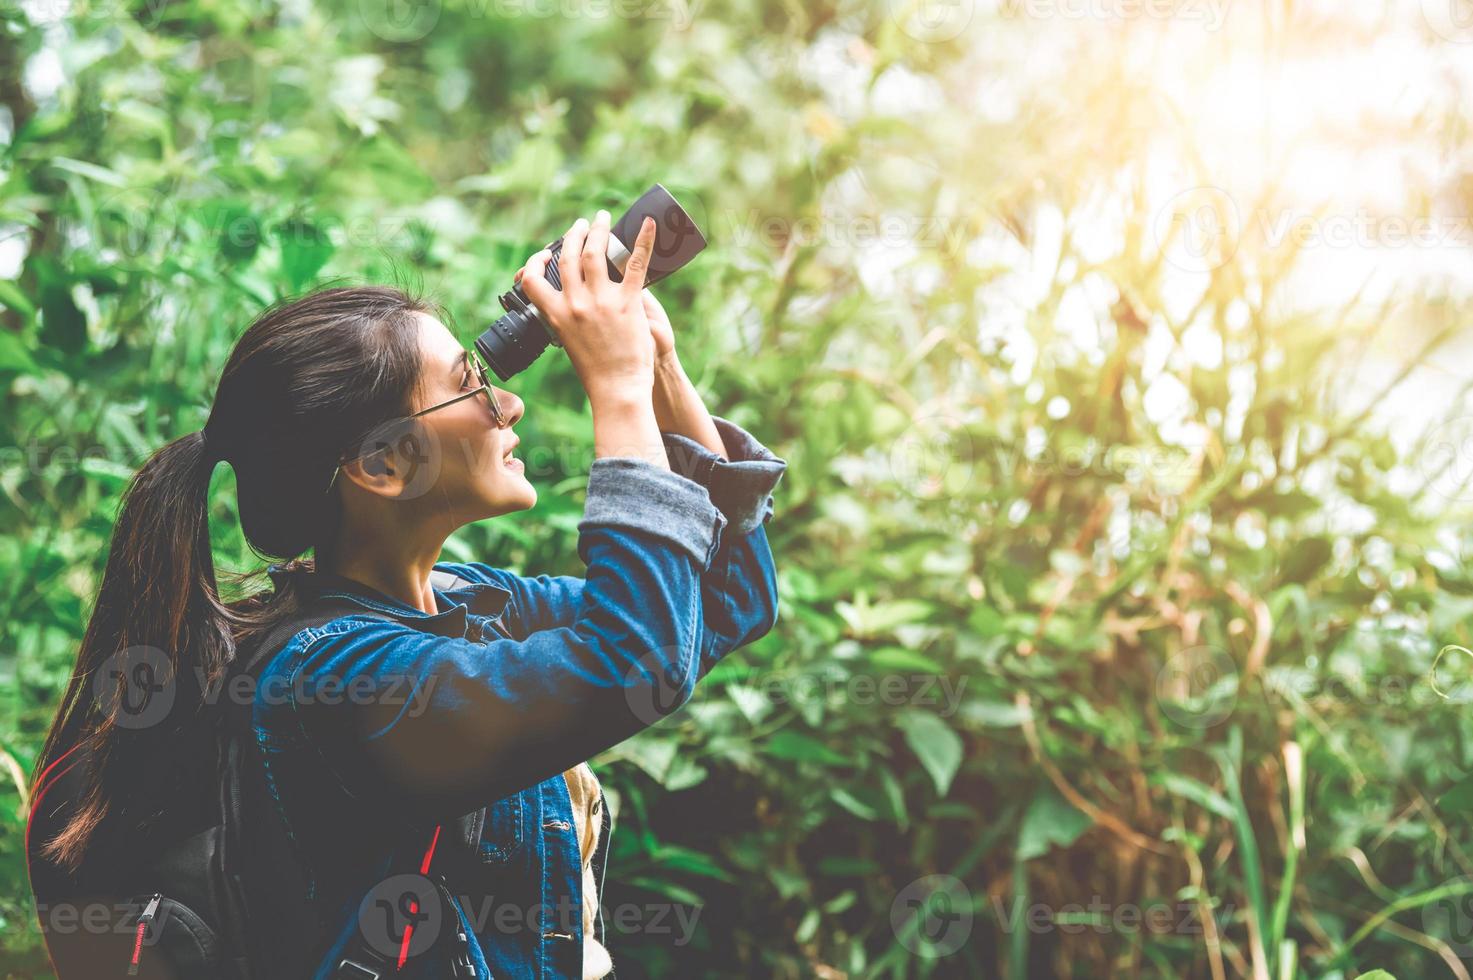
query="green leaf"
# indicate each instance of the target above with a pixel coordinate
(808, 927)
(676, 893)
(305, 249)
(12, 297)
(903, 659)
(986, 621)
(840, 902)
(90, 170)
(1305, 559)
(1459, 799)
(864, 619)
(995, 714)
(848, 801)
(108, 472)
(649, 752)
(690, 861)
(13, 354)
(894, 797)
(527, 169)
(684, 772)
(936, 745)
(1049, 821)
(1199, 793)
(801, 748)
(787, 883)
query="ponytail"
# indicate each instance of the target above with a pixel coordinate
(303, 384)
(158, 615)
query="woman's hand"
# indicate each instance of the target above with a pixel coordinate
(660, 329)
(601, 324)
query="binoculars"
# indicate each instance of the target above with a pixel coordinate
(519, 337)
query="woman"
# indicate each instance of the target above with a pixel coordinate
(440, 710)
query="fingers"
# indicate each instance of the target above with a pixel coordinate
(538, 289)
(572, 251)
(595, 251)
(639, 256)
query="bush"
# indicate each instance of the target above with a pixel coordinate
(1110, 627)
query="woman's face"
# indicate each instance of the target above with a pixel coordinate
(469, 463)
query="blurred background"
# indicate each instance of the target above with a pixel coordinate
(1119, 350)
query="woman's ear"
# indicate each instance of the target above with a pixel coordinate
(402, 467)
(375, 473)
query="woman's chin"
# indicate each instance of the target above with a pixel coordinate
(523, 497)
(509, 497)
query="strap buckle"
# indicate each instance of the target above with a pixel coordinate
(353, 970)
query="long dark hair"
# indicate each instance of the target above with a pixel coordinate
(305, 382)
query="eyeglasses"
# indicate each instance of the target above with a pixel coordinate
(473, 363)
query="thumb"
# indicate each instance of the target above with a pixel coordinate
(542, 293)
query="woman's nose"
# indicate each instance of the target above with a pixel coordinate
(512, 406)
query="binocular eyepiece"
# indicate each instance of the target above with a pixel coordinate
(519, 337)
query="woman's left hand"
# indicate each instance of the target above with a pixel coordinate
(660, 328)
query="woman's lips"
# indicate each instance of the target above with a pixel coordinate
(510, 461)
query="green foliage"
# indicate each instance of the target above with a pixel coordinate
(1035, 635)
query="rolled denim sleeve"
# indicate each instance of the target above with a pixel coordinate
(632, 493)
(741, 485)
(454, 722)
(738, 587)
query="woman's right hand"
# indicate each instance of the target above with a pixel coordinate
(600, 323)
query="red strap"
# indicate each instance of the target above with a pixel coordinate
(424, 869)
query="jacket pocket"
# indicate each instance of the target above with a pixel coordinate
(503, 832)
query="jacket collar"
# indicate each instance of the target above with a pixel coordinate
(456, 597)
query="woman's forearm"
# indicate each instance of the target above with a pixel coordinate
(623, 425)
(678, 406)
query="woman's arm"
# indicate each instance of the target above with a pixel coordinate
(738, 588)
(678, 406)
(433, 725)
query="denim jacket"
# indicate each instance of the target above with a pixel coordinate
(394, 737)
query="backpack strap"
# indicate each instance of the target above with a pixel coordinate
(271, 857)
(359, 959)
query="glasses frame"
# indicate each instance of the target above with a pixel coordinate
(477, 364)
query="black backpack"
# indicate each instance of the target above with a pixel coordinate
(205, 905)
